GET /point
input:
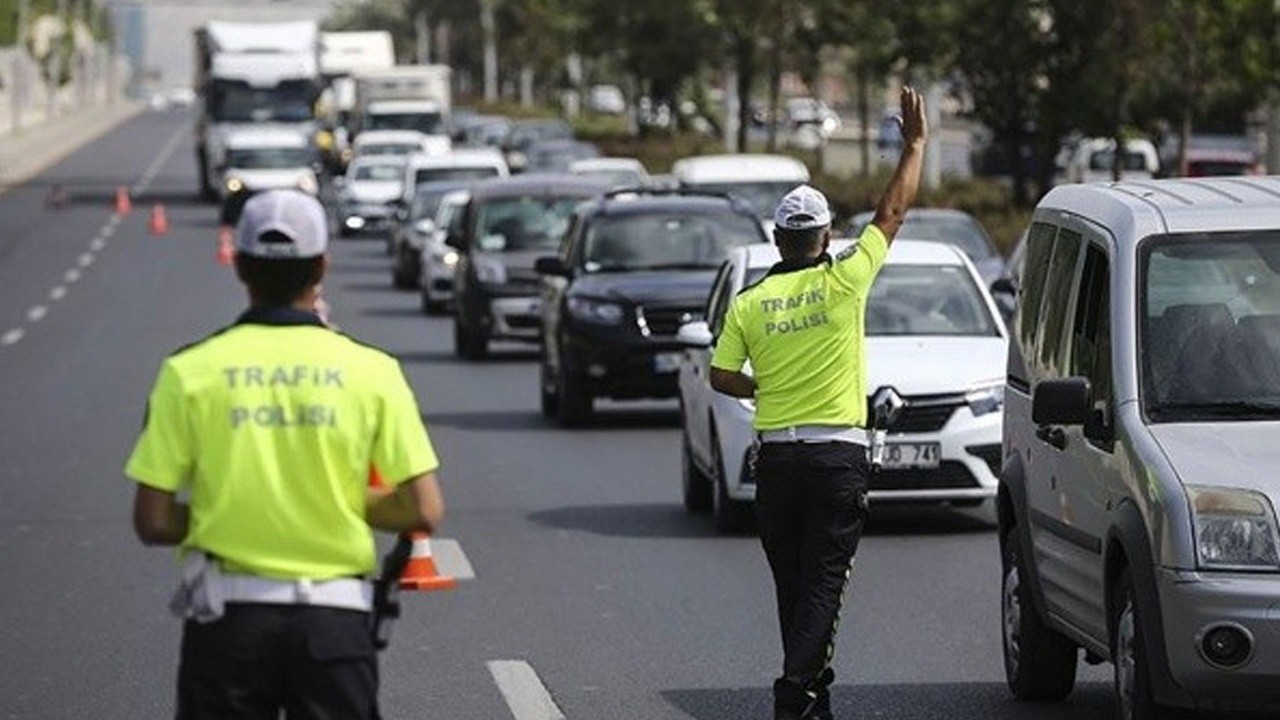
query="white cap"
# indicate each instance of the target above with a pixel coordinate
(295, 215)
(804, 208)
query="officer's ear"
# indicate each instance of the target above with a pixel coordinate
(826, 238)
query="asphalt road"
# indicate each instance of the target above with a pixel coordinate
(588, 573)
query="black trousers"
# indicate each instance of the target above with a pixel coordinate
(312, 663)
(811, 503)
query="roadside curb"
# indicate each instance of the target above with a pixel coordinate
(28, 152)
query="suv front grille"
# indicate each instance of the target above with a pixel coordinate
(665, 321)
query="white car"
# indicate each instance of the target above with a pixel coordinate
(760, 180)
(438, 260)
(268, 159)
(400, 142)
(619, 171)
(1091, 160)
(934, 336)
(368, 192)
(472, 164)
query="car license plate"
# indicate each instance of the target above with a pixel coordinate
(666, 362)
(913, 456)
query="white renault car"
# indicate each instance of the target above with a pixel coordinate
(934, 336)
(437, 260)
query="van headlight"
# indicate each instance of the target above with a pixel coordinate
(1234, 529)
(449, 258)
(595, 311)
(234, 185)
(985, 398)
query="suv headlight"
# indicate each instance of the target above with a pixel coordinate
(490, 270)
(596, 311)
(985, 398)
(1234, 529)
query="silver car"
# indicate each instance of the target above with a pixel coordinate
(1139, 481)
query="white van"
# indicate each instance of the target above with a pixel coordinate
(760, 180)
(1139, 480)
(1092, 160)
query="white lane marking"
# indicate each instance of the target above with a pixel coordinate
(86, 260)
(450, 560)
(525, 694)
(37, 313)
(57, 293)
(112, 222)
(149, 175)
(11, 337)
(97, 244)
(108, 231)
(71, 275)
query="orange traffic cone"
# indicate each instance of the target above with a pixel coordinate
(123, 205)
(159, 223)
(420, 572)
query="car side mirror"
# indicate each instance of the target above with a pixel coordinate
(552, 266)
(696, 334)
(456, 242)
(1004, 286)
(1064, 401)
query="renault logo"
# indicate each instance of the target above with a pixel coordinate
(886, 406)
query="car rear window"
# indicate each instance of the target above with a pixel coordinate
(668, 240)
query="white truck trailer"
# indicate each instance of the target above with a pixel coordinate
(405, 97)
(252, 74)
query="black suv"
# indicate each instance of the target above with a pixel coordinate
(507, 224)
(635, 266)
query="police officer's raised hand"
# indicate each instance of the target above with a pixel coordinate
(915, 127)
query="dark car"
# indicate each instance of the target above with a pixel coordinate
(507, 224)
(525, 133)
(557, 155)
(413, 226)
(953, 227)
(636, 265)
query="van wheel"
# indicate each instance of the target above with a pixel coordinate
(729, 516)
(1039, 663)
(1134, 699)
(696, 487)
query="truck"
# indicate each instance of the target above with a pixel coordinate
(405, 97)
(252, 74)
(343, 55)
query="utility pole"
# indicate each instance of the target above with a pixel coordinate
(422, 32)
(18, 91)
(53, 63)
(1273, 97)
(489, 29)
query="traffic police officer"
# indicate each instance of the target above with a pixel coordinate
(801, 328)
(269, 427)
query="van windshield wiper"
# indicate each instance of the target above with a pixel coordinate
(1222, 408)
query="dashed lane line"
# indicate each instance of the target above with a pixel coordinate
(37, 313)
(57, 293)
(72, 275)
(12, 336)
(524, 692)
(86, 259)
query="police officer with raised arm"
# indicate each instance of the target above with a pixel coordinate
(268, 429)
(801, 329)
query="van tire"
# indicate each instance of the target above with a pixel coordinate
(1132, 667)
(1039, 663)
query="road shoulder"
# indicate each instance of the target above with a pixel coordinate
(28, 152)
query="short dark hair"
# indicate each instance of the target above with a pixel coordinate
(279, 281)
(793, 243)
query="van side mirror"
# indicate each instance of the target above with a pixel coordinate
(696, 334)
(1064, 401)
(552, 266)
(1004, 286)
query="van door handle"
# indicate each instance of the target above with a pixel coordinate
(1055, 436)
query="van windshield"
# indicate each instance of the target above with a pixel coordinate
(1210, 327)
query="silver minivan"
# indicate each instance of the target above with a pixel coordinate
(1142, 447)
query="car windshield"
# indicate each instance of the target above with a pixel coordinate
(268, 158)
(438, 174)
(426, 203)
(645, 242)
(959, 230)
(524, 223)
(383, 171)
(429, 123)
(763, 196)
(1102, 161)
(390, 148)
(927, 300)
(1210, 324)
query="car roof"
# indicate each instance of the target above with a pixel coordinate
(865, 216)
(469, 157)
(534, 183)
(901, 252)
(1134, 209)
(385, 136)
(740, 168)
(606, 163)
(445, 185)
(405, 105)
(624, 202)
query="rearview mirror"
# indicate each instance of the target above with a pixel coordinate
(1062, 401)
(552, 266)
(696, 334)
